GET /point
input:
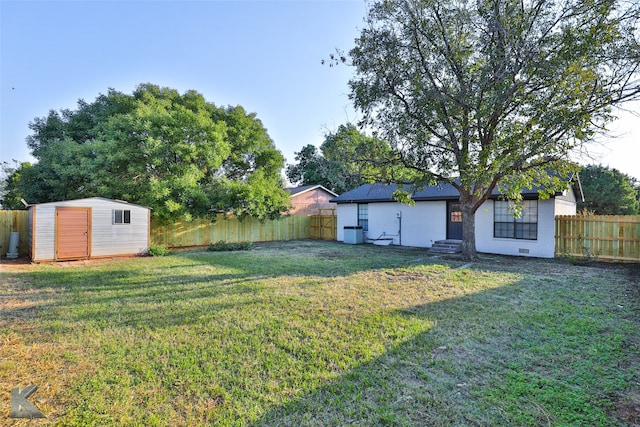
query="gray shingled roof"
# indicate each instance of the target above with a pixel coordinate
(372, 193)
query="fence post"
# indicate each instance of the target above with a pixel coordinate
(14, 221)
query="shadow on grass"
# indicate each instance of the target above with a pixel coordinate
(145, 304)
(536, 352)
(119, 295)
(551, 348)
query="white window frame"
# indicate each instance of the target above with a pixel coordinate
(121, 216)
(363, 216)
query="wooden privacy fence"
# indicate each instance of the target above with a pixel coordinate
(324, 225)
(199, 232)
(202, 232)
(14, 221)
(599, 237)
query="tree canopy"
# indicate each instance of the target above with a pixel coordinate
(608, 191)
(178, 154)
(492, 93)
(346, 159)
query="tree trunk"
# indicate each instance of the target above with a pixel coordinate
(467, 206)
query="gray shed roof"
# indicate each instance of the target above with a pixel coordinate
(104, 199)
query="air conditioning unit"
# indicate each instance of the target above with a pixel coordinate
(353, 235)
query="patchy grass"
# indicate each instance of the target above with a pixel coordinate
(319, 333)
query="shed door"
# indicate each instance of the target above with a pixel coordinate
(73, 236)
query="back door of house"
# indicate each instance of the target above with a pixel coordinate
(73, 233)
(454, 221)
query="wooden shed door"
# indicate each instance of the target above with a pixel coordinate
(73, 233)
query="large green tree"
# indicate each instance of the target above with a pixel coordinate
(608, 191)
(492, 94)
(176, 153)
(346, 159)
(312, 169)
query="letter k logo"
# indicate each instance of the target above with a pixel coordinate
(21, 407)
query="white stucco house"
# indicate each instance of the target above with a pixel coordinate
(436, 216)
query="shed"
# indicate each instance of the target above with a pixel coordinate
(87, 228)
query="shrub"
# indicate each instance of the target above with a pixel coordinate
(224, 246)
(159, 251)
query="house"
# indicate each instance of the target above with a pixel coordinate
(436, 216)
(306, 200)
(87, 228)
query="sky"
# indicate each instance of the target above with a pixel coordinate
(262, 55)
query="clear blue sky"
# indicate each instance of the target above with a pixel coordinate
(263, 55)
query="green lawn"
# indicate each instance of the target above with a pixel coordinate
(321, 334)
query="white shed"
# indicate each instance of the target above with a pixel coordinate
(87, 228)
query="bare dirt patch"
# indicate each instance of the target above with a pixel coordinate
(627, 408)
(26, 264)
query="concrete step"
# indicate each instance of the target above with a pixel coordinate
(445, 250)
(449, 246)
(383, 241)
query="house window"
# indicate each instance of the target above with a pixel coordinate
(121, 216)
(455, 214)
(507, 225)
(363, 217)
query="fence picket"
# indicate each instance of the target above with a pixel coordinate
(324, 225)
(600, 237)
(201, 232)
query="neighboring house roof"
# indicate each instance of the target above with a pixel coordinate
(372, 193)
(294, 191)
